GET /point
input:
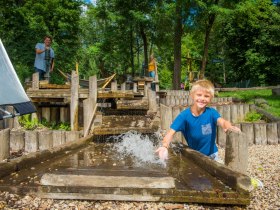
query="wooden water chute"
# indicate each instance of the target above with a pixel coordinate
(78, 105)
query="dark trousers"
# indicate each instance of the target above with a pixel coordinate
(41, 73)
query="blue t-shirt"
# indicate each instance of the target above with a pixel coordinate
(200, 131)
(40, 59)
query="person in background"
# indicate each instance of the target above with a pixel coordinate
(198, 123)
(44, 60)
(182, 86)
(152, 68)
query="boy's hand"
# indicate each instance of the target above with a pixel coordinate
(233, 129)
(162, 153)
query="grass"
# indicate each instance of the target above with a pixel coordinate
(248, 96)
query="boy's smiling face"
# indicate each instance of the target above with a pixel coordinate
(201, 98)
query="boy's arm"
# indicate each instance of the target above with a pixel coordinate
(226, 125)
(162, 150)
(168, 138)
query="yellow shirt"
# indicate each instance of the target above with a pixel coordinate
(152, 65)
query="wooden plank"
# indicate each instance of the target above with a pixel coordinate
(110, 197)
(115, 94)
(88, 126)
(107, 181)
(54, 86)
(133, 104)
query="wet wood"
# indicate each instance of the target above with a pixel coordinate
(107, 181)
(133, 104)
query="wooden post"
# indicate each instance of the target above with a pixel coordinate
(114, 86)
(271, 131)
(74, 107)
(4, 144)
(236, 153)
(17, 140)
(58, 138)
(135, 87)
(147, 86)
(72, 136)
(123, 86)
(64, 114)
(90, 105)
(31, 141)
(152, 100)
(35, 81)
(45, 140)
(233, 109)
(165, 116)
(9, 122)
(46, 113)
(248, 130)
(260, 133)
(54, 114)
(93, 89)
(246, 109)
(221, 137)
(227, 112)
(240, 112)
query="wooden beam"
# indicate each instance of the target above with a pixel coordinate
(74, 101)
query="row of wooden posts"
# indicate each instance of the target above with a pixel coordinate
(12, 141)
(182, 97)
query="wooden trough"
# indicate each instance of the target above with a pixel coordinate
(92, 172)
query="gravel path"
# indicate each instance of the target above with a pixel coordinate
(264, 164)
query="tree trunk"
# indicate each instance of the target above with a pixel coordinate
(177, 46)
(131, 51)
(209, 26)
(145, 43)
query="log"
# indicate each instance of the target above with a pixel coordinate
(236, 153)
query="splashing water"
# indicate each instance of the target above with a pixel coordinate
(140, 147)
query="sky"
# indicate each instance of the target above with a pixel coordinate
(90, 1)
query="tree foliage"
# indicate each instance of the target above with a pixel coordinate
(234, 40)
(25, 23)
(252, 42)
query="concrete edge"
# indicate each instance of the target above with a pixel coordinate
(30, 159)
(237, 181)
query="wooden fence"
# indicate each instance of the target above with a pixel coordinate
(181, 97)
(33, 141)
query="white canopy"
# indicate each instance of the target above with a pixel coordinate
(11, 90)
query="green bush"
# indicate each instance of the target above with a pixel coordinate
(252, 117)
(32, 124)
(28, 123)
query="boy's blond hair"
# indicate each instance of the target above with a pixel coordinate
(203, 85)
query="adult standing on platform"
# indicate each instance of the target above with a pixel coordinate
(44, 60)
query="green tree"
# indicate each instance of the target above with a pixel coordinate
(252, 42)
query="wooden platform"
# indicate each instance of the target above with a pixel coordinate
(51, 95)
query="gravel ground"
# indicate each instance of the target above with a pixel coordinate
(264, 164)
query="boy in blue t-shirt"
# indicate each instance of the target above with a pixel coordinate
(198, 123)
